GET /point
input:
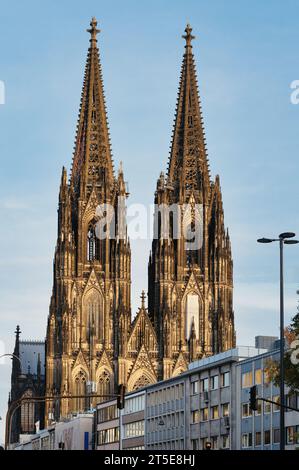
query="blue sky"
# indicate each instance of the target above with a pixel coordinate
(247, 56)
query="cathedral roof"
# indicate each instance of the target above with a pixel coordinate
(31, 354)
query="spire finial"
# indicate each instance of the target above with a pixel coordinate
(188, 36)
(142, 299)
(93, 30)
(17, 332)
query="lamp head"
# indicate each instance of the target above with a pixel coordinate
(287, 235)
(265, 240)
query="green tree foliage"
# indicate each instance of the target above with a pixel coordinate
(292, 352)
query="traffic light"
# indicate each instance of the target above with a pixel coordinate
(121, 397)
(253, 398)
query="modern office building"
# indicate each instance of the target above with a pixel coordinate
(75, 433)
(107, 426)
(121, 429)
(197, 407)
(208, 404)
(260, 430)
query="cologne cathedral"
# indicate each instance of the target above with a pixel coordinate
(93, 343)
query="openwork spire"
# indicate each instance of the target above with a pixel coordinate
(188, 163)
(92, 161)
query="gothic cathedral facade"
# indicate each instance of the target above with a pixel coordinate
(92, 340)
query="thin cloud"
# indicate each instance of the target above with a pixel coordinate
(14, 204)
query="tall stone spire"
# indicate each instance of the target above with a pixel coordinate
(92, 161)
(188, 163)
(190, 284)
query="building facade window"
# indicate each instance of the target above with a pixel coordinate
(225, 441)
(195, 416)
(205, 414)
(225, 379)
(246, 440)
(195, 387)
(258, 376)
(205, 385)
(267, 407)
(194, 444)
(204, 441)
(258, 411)
(276, 436)
(276, 399)
(267, 437)
(292, 400)
(214, 442)
(134, 429)
(214, 382)
(108, 436)
(132, 405)
(292, 435)
(267, 377)
(246, 410)
(215, 412)
(247, 379)
(225, 409)
(107, 414)
(258, 438)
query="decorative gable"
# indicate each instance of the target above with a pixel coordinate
(92, 282)
(180, 365)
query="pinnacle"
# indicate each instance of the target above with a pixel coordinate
(92, 130)
(188, 136)
(93, 30)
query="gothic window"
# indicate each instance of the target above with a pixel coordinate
(104, 385)
(80, 389)
(192, 314)
(193, 230)
(141, 382)
(92, 243)
(93, 314)
(27, 414)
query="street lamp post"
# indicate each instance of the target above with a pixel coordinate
(12, 356)
(285, 238)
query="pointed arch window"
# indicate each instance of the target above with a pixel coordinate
(94, 316)
(27, 414)
(104, 385)
(143, 381)
(192, 315)
(92, 243)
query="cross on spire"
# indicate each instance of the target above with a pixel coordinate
(188, 36)
(142, 299)
(17, 332)
(93, 30)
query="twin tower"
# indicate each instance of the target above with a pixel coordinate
(92, 342)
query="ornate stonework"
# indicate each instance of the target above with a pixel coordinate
(90, 333)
